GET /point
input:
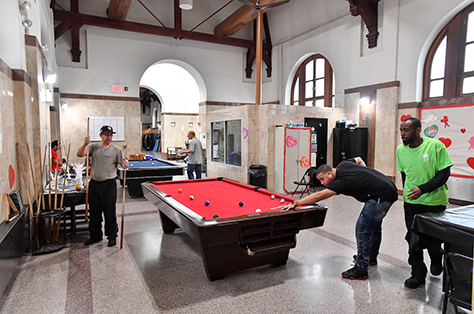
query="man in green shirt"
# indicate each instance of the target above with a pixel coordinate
(425, 165)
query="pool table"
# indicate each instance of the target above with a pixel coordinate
(144, 170)
(232, 237)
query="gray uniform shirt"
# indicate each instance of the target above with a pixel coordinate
(195, 158)
(104, 161)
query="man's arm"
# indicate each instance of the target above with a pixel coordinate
(82, 151)
(359, 161)
(313, 198)
(438, 180)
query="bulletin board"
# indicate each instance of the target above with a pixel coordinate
(117, 123)
(454, 127)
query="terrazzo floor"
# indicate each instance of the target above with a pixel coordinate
(164, 273)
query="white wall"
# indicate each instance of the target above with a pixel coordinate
(117, 57)
(12, 40)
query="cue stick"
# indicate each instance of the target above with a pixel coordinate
(55, 189)
(20, 164)
(49, 177)
(31, 169)
(123, 206)
(64, 182)
(43, 171)
(278, 207)
(87, 175)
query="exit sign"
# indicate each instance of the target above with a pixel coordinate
(116, 88)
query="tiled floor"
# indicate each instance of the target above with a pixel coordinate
(163, 273)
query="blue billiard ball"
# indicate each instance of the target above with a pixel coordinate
(282, 200)
(206, 203)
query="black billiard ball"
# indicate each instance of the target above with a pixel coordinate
(241, 204)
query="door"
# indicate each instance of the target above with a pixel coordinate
(319, 140)
(297, 156)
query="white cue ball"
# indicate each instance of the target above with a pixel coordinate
(258, 210)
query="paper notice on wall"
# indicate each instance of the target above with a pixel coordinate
(452, 125)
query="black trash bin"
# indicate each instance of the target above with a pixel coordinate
(258, 176)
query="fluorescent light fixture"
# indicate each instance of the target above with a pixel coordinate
(49, 76)
(186, 4)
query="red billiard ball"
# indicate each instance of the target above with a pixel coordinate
(191, 197)
(179, 190)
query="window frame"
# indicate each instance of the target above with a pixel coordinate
(300, 77)
(225, 157)
(455, 32)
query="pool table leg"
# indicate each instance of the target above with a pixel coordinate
(167, 224)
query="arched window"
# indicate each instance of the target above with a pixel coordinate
(313, 84)
(449, 65)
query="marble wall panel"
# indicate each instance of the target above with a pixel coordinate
(386, 130)
(413, 112)
(74, 122)
(177, 135)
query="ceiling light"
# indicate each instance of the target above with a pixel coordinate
(186, 4)
(25, 6)
(27, 23)
(49, 76)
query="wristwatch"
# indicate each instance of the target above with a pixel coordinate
(295, 203)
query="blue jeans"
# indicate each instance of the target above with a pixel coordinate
(369, 231)
(192, 168)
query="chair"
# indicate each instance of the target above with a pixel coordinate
(457, 281)
(171, 153)
(307, 181)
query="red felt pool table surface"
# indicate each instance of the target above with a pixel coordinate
(223, 195)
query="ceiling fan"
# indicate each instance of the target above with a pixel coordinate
(257, 6)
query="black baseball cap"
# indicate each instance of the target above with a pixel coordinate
(106, 128)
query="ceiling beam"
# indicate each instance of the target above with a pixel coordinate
(368, 11)
(91, 20)
(237, 20)
(118, 9)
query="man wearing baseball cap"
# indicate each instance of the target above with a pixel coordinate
(102, 187)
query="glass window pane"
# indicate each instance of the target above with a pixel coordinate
(309, 71)
(309, 103)
(439, 61)
(468, 85)
(437, 88)
(233, 142)
(319, 88)
(333, 84)
(319, 103)
(296, 90)
(217, 129)
(319, 68)
(470, 28)
(469, 58)
(308, 92)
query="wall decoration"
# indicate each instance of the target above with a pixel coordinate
(245, 132)
(404, 117)
(452, 125)
(291, 141)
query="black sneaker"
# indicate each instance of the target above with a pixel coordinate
(414, 282)
(112, 242)
(92, 241)
(372, 260)
(355, 273)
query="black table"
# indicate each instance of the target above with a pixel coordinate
(454, 226)
(146, 170)
(72, 198)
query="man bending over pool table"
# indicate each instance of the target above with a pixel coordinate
(367, 185)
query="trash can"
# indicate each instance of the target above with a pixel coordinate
(258, 176)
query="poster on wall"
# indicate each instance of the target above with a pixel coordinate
(453, 126)
(117, 123)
